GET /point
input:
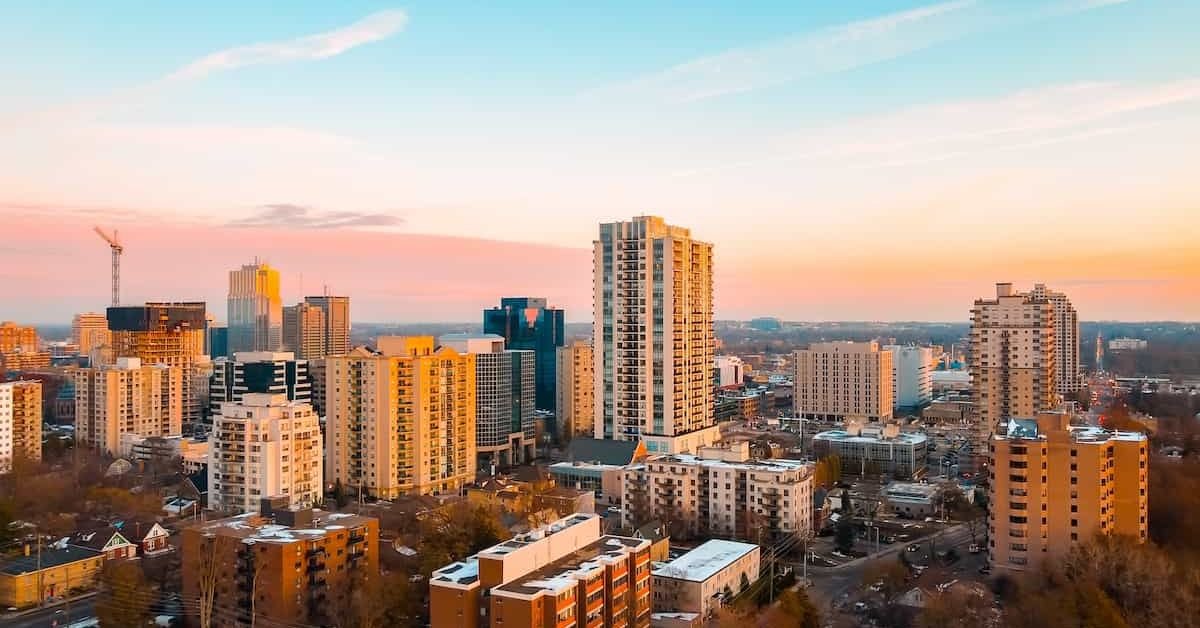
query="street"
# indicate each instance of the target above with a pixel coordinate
(836, 583)
(50, 617)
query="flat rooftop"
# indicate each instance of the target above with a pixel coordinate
(705, 561)
(254, 527)
(466, 571)
(767, 464)
(50, 558)
(903, 438)
(566, 572)
(521, 540)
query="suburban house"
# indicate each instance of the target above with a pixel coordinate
(107, 541)
(149, 536)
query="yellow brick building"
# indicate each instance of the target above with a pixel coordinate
(52, 572)
(401, 420)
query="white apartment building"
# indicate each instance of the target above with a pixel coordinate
(575, 409)
(1066, 340)
(653, 335)
(731, 371)
(264, 446)
(695, 582)
(839, 380)
(912, 375)
(720, 490)
(127, 398)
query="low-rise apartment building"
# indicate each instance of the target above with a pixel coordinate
(720, 490)
(290, 566)
(562, 575)
(874, 449)
(700, 580)
(1053, 485)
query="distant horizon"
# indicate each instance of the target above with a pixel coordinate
(719, 320)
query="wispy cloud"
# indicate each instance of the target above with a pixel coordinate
(832, 49)
(939, 132)
(371, 28)
(289, 216)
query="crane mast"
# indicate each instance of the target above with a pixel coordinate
(117, 249)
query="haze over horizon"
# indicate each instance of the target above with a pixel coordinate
(884, 160)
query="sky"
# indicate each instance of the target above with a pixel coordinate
(868, 160)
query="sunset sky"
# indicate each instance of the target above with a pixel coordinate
(849, 160)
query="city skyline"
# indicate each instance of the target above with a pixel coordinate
(839, 157)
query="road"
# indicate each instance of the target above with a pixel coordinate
(50, 618)
(834, 583)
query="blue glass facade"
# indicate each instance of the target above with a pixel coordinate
(528, 324)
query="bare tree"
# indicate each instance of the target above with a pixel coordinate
(213, 549)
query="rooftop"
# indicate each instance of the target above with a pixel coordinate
(602, 451)
(904, 438)
(765, 465)
(533, 536)
(49, 558)
(566, 572)
(705, 561)
(254, 527)
(910, 491)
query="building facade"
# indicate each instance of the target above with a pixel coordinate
(264, 446)
(127, 398)
(505, 383)
(255, 309)
(1067, 376)
(528, 324)
(292, 567)
(699, 581)
(336, 313)
(20, 423)
(1013, 357)
(89, 332)
(653, 335)
(32, 579)
(576, 407)
(731, 371)
(875, 450)
(835, 381)
(912, 376)
(563, 574)
(170, 334)
(304, 331)
(401, 419)
(720, 490)
(1053, 486)
(271, 372)
(20, 348)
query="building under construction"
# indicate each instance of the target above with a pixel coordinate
(166, 333)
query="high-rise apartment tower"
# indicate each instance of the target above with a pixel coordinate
(653, 335)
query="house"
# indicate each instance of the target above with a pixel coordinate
(914, 598)
(107, 541)
(149, 536)
(660, 540)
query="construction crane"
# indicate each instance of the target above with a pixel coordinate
(117, 249)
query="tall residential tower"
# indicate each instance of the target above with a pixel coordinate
(1066, 340)
(654, 337)
(1013, 351)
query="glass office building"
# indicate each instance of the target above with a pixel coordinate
(527, 324)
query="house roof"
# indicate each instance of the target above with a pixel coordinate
(50, 558)
(615, 452)
(705, 561)
(199, 480)
(652, 531)
(97, 539)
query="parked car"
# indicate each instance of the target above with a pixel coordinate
(974, 549)
(913, 548)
